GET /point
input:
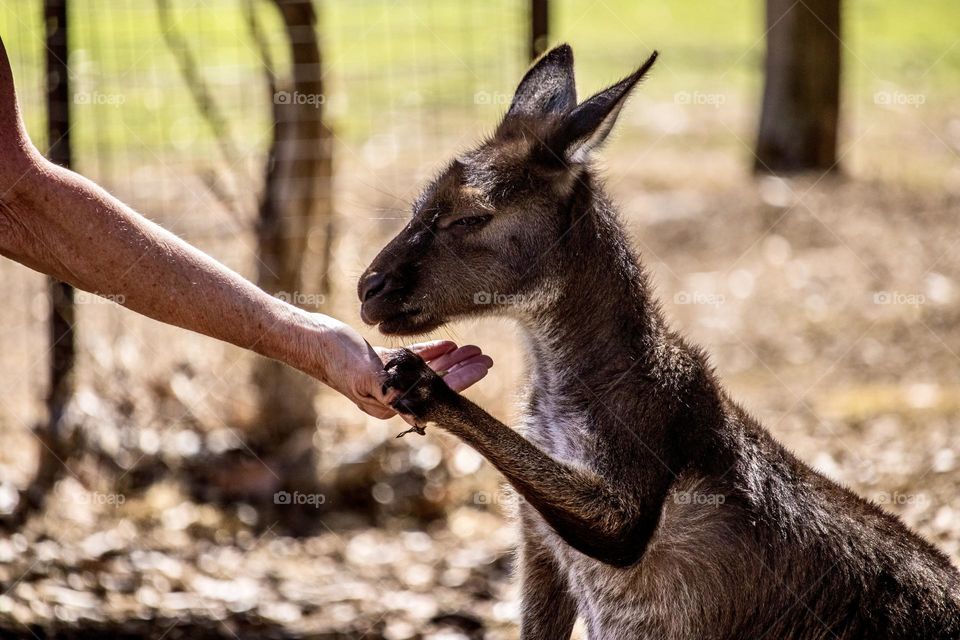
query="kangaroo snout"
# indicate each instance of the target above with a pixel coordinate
(380, 295)
(371, 284)
(385, 295)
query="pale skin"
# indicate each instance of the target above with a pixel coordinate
(64, 225)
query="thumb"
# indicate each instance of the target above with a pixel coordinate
(371, 388)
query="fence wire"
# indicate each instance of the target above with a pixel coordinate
(172, 113)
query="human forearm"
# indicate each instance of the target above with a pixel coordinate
(60, 223)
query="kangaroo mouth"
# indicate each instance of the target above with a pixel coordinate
(399, 322)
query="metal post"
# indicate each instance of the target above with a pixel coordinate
(539, 27)
(62, 312)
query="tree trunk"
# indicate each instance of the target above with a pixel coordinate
(296, 198)
(801, 97)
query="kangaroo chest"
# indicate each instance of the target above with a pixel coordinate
(611, 601)
(559, 429)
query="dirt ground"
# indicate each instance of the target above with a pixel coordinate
(830, 305)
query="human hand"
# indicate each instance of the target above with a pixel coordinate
(461, 367)
(352, 367)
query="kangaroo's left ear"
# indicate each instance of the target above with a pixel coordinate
(548, 87)
(587, 126)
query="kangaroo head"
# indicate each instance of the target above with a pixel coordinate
(484, 234)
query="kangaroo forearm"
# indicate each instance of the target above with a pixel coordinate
(61, 224)
(513, 455)
(589, 515)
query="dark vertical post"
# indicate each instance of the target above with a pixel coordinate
(61, 320)
(801, 95)
(539, 27)
(56, 445)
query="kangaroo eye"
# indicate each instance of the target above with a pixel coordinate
(472, 221)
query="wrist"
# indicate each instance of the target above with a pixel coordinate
(293, 338)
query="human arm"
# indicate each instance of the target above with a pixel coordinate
(64, 225)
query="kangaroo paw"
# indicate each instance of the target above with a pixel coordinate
(419, 388)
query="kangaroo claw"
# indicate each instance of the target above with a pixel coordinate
(414, 429)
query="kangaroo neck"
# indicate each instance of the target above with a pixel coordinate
(599, 321)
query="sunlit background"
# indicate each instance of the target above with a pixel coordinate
(830, 300)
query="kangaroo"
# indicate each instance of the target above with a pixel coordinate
(651, 505)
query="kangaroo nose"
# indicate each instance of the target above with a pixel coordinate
(373, 283)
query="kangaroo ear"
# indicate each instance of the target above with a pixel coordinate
(548, 87)
(587, 126)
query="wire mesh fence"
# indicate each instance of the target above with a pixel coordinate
(173, 112)
(406, 83)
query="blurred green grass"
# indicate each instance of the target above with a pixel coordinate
(438, 57)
